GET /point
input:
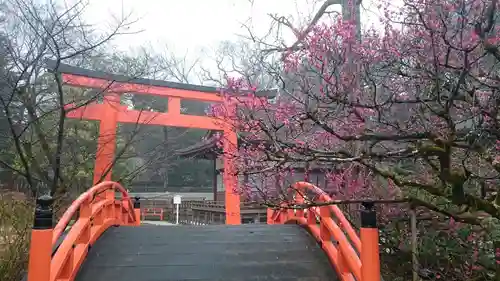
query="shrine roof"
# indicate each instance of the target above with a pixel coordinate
(207, 148)
(52, 65)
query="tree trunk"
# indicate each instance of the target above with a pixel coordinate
(496, 245)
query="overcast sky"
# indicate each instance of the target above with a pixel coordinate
(195, 24)
(189, 26)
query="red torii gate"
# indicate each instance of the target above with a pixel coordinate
(110, 112)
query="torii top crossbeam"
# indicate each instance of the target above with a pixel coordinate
(113, 84)
(111, 112)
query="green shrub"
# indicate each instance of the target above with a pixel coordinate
(16, 216)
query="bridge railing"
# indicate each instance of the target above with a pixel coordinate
(56, 253)
(312, 208)
(153, 212)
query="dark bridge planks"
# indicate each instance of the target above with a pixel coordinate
(214, 252)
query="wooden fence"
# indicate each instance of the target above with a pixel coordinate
(201, 212)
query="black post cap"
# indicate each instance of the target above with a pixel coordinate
(43, 213)
(368, 215)
(45, 201)
(137, 203)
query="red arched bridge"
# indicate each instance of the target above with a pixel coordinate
(108, 242)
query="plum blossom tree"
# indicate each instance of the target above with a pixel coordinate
(407, 109)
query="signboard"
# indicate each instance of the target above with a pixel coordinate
(177, 202)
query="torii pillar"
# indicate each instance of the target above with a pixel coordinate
(106, 141)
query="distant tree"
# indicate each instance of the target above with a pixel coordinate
(32, 99)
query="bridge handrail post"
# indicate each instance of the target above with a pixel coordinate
(137, 210)
(369, 236)
(40, 252)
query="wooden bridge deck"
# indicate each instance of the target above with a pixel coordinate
(212, 252)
